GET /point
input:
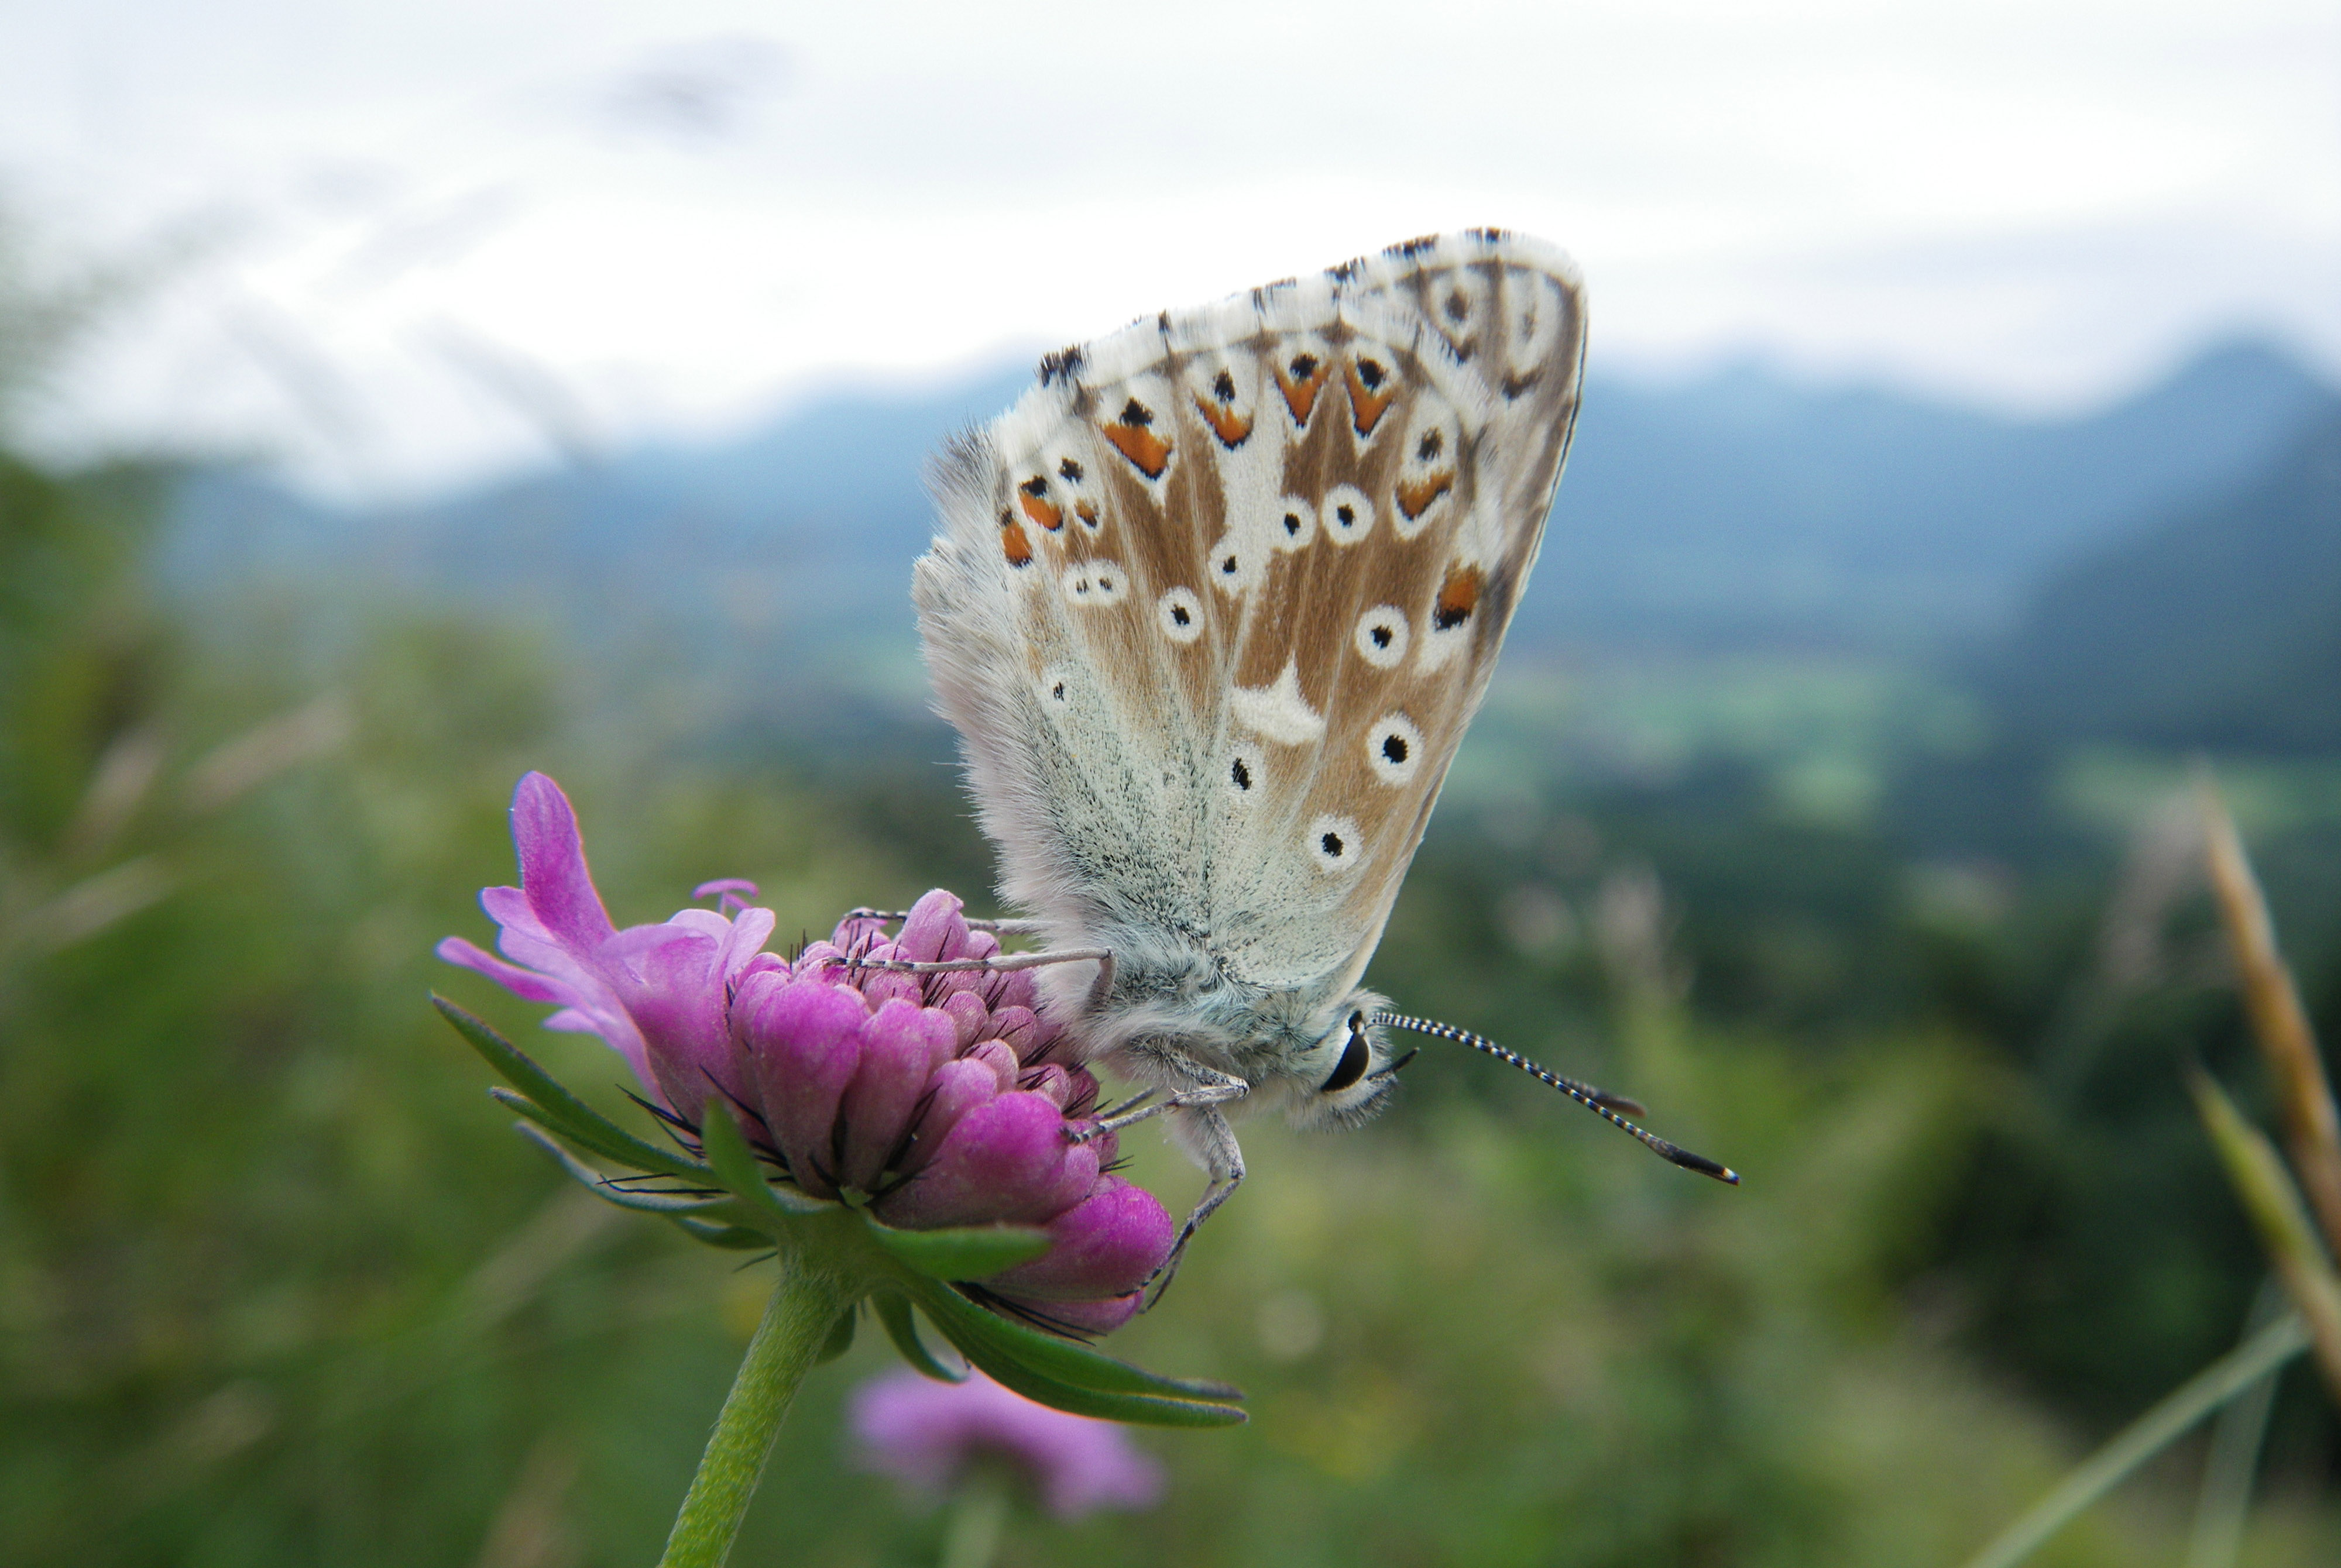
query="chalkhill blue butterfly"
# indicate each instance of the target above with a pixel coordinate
(1211, 607)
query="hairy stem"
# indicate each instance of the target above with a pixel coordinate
(805, 1305)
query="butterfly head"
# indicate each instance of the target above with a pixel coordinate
(1347, 1076)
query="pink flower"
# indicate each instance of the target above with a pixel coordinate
(926, 1434)
(928, 1097)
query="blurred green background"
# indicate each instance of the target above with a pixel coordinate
(1909, 937)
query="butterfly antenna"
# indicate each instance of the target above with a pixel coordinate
(1601, 1104)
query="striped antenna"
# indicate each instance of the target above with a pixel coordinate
(1605, 1106)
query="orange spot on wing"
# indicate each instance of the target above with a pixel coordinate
(1087, 511)
(1300, 390)
(1142, 446)
(1367, 407)
(1043, 511)
(1415, 498)
(1015, 546)
(1458, 596)
(1230, 426)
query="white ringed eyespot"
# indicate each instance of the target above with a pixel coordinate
(1394, 749)
(1242, 776)
(1292, 524)
(1095, 583)
(1180, 613)
(1347, 516)
(1334, 843)
(1381, 636)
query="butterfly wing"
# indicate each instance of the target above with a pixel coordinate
(1217, 599)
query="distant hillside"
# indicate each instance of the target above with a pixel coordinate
(2220, 627)
(1740, 510)
(1747, 509)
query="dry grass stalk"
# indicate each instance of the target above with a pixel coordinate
(2273, 1202)
(2279, 1022)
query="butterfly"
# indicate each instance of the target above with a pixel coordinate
(1211, 608)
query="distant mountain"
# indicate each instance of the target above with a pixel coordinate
(1747, 508)
(2218, 626)
(793, 541)
(1742, 508)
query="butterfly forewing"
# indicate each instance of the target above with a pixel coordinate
(1219, 597)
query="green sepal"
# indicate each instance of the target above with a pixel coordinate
(795, 1200)
(597, 1184)
(588, 1138)
(1051, 1356)
(734, 1164)
(840, 1335)
(1139, 1409)
(561, 1111)
(967, 1252)
(894, 1312)
(730, 1237)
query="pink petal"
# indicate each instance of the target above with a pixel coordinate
(553, 865)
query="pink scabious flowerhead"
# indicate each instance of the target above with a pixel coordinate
(925, 1102)
(928, 1435)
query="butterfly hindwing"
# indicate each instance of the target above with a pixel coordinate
(1218, 597)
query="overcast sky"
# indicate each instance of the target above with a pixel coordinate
(412, 240)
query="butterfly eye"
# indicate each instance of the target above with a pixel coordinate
(1355, 1056)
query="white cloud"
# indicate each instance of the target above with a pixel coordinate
(662, 220)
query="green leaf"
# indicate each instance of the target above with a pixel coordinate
(732, 1237)
(970, 1251)
(563, 1112)
(894, 1313)
(1139, 1409)
(1051, 1356)
(599, 1185)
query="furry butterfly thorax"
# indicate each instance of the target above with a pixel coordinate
(1211, 608)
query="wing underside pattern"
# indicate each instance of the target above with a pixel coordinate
(1218, 597)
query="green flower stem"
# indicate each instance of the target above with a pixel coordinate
(972, 1536)
(804, 1307)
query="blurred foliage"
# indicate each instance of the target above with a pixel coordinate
(276, 1285)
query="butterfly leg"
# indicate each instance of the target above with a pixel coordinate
(999, 963)
(1209, 1088)
(1205, 1131)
